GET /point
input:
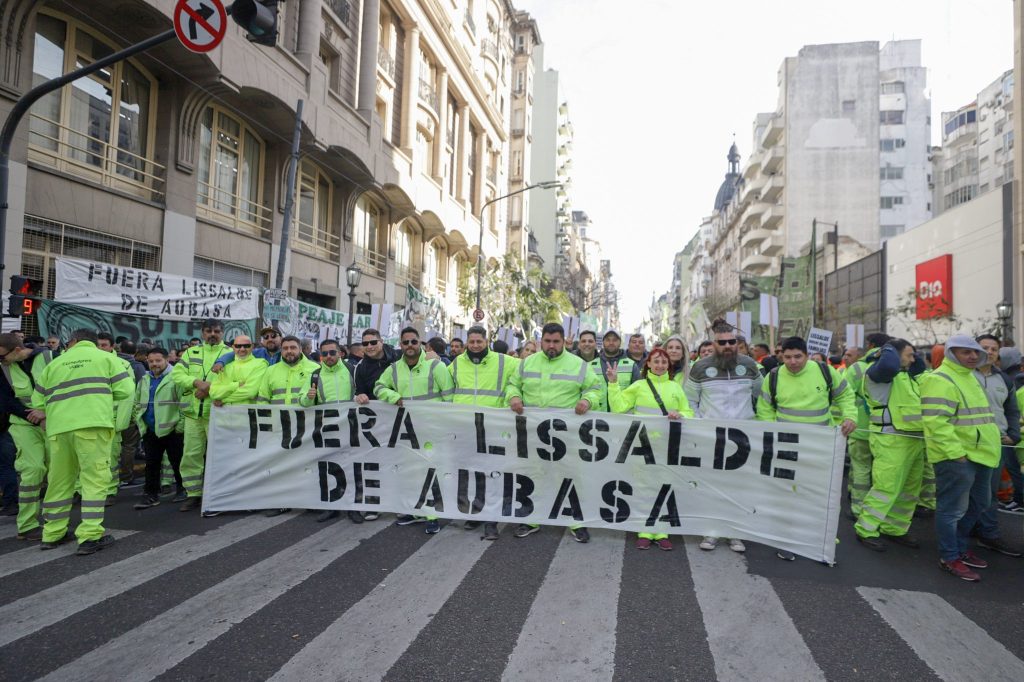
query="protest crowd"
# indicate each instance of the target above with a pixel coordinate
(932, 434)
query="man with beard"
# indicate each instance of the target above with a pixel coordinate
(269, 351)
(587, 351)
(724, 385)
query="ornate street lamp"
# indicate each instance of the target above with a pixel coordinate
(352, 277)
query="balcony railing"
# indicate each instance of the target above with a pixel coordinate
(234, 210)
(313, 240)
(371, 262)
(428, 94)
(341, 8)
(386, 62)
(71, 151)
(489, 48)
(404, 274)
(468, 20)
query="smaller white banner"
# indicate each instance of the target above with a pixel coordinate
(131, 291)
(741, 321)
(854, 335)
(819, 341)
(769, 310)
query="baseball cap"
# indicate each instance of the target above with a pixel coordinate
(270, 330)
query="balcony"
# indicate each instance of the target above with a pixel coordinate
(752, 188)
(518, 132)
(404, 274)
(754, 212)
(467, 19)
(386, 63)
(753, 165)
(773, 159)
(492, 176)
(774, 246)
(428, 94)
(771, 218)
(77, 153)
(756, 263)
(755, 237)
(341, 8)
(315, 241)
(772, 132)
(234, 210)
(371, 262)
(773, 188)
(489, 49)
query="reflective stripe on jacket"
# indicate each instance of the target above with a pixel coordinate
(426, 380)
(957, 417)
(335, 386)
(79, 389)
(554, 382)
(895, 407)
(167, 404)
(854, 376)
(802, 398)
(483, 383)
(195, 364)
(285, 384)
(637, 398)
(239, 382)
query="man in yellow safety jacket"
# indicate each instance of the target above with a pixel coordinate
(858, 446)
(192, 376)
(891, 391)
(122, 417)
(158, 406)
(414, 377)
(21, 367)
(240, 380)
(481, 377)
(554, 377)
(963, 444)
(78, 391)
(806, 393)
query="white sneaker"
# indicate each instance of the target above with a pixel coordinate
(708, 543)
(737, 546)
(1011, 507)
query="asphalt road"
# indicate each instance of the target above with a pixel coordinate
(243, 597)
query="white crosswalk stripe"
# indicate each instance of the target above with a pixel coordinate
(570, 631)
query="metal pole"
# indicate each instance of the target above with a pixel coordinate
(289, 198)
(22, 106)
(835, 247)
(351, 311)
(814, 272)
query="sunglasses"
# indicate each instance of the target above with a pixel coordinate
(411, 342)
(270, 336)
(371, 342)
(243, 345)
(726, 342)
(328, 352)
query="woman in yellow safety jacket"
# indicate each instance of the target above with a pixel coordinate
(678, 358)
(655, 393)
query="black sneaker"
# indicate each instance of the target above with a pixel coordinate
(471, 525)
(355, 517)
(874, 544)
(54, 544)
(432, 527)
(997, 545)
(328, 515)
(9, 510)
(785, 556)
(906, 540)
(580, 534)
(191, 503)
(166, 490)
(147, 503)
(209, 514)
(180, 496)
(271, 513)
(407, 520)
(93, 546)
(111, 501)
(32, 534)
(524, 529)
(490, 531)
(924, 513)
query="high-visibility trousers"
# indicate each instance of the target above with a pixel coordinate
(926, 498)
(895, 484)
(649, 536)
(30, 463)
(860, 472)
(193, 457)
(166, 472)
(115, 464)
(83, 455)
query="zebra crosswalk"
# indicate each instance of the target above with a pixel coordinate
(286, 599)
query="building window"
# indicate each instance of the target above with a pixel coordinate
(231, 173)
(100, 127)
(424, 155)
(890, 202)
(893, 88)
(471, 170)
(890, 231)
(332, 65)
(312, 228)
(891, 173)
(849, 106)
(370, 237)
(959, 120)
(404, 256)
(888, 144)
(228, 273)
(435, 269)
(890, 117)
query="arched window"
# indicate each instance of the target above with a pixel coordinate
(313, 229)
(231, 173)
(435, 270)
(404, 263)
(369, 234)
(100, 127)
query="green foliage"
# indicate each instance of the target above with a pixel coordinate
(511, 296)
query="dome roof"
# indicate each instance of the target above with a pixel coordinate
(732, 179)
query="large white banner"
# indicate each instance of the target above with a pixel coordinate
(775, 483)
(308, 321)
(116, 289)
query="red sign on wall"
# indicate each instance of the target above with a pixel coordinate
(935, 287)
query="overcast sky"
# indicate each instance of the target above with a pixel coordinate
(657, 88)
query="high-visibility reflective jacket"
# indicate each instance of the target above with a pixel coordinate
(426, 380)
(285, 384)
(195, 364)
(957, 416)
(167, 404)
(124, 409)
(79, 389)
(23, 384)
(239, 381)
(896, 406)
(803, 397)
(554, 382)
(483, 383)
(854, 376)
(334, 386)
(637, 398)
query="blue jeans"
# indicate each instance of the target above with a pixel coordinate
(1012, 465)
(8, 476)
(963, 493)
(988, 523)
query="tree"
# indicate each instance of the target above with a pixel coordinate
(514, 297)
(938, 323)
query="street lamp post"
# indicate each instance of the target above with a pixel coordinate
(547, 184)
(352, 277)
(1004, 312)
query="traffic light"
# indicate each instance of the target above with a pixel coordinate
(24, 292)
(258, 18)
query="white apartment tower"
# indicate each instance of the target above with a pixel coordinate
(525, 37)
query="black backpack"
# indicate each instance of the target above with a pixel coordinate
(773, 383)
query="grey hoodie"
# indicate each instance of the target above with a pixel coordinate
(962, 341)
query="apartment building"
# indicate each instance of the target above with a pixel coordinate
(525, 38)
(177, 162)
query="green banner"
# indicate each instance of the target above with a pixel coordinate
(63, 318)
(795, 291)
